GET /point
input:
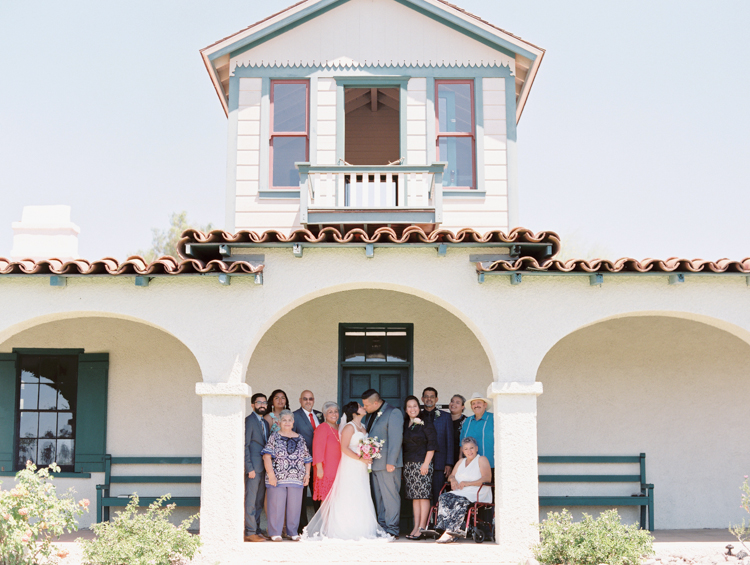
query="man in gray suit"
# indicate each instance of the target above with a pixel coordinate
(256, 436)
(386, 423)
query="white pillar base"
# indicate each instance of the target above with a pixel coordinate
(222, 516)
(516, 469)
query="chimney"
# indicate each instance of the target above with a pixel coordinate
(45, 232)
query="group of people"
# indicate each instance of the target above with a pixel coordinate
(356, 497)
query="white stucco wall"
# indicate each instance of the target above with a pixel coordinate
(152, 408)
(300, 351)
(673, 389)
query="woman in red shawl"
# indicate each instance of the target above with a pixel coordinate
(326, 451)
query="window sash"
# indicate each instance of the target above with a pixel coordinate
(286, 134)
(447, 134)
(38, 413)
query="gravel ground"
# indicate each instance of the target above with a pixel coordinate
(672, 547)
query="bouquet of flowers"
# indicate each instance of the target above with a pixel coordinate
(370, 447)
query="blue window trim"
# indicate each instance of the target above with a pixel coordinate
(376, 76)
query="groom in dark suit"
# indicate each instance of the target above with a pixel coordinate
(386, 423)
(306, 421)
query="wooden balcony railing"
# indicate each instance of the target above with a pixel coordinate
(357, 194)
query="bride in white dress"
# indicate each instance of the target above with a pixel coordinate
(348, 512)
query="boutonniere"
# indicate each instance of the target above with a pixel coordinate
(378, 415)
(438, 413)
(320, 418)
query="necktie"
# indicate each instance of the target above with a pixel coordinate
(312, 420)
(370, 422)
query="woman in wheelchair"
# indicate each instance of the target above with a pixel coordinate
(466, 480)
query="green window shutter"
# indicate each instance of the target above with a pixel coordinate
(91, 412)
(7, 409)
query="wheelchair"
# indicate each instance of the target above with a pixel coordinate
(480, 518)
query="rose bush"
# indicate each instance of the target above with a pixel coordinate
(33, 515)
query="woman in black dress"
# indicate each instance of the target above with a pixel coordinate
(420, 443)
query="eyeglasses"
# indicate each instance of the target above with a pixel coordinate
(306, 398)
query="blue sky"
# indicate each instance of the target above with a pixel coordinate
(635, 140)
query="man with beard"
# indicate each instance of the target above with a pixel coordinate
(256, 436)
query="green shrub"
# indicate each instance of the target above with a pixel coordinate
(142, 538)
(32, 515)
(742, 531)
(591, 541)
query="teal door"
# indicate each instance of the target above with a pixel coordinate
(377, 356)
(391, 382)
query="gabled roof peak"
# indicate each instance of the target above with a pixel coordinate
(524, 56)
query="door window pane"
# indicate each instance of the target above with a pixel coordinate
(29, 376)
(375, 346)
(354, 346)
(458, 153)
(286, 152)
(398, 346)
(454, 107)
(289, 107)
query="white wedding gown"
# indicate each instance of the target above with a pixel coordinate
(347, 513)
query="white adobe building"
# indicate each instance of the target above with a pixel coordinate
(326, 241)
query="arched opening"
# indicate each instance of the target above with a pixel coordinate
(302, 348)
(139, 401)
(669, 387)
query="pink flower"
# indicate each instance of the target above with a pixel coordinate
(25, 538)
(6, 516)
(24, 511)
(84, 503)
(62, 553)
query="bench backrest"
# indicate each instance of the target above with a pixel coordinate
(121, 479)
(640, 459)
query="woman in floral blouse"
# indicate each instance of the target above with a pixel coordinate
(287, 461)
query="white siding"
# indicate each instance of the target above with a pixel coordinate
(372, 32)
(325, 128)
(490, 212)
(248, 140)
(416, 124)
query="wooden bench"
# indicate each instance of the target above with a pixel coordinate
(104, 501)
(645, 498)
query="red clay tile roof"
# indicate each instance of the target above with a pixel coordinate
(401, 235)
(624, 265)
(133, 266)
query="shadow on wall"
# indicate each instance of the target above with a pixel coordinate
(671, 388)
(301, 350)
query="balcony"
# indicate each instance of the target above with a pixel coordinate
(371, 195)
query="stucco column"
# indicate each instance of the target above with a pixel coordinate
(223, 466)
(516, 475)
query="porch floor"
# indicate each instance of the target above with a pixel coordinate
(667, 543)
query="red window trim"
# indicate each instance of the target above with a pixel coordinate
(439, 134)
(305, 134)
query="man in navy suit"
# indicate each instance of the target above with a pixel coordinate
(443, 459)
(306, 420)
(256, 436)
